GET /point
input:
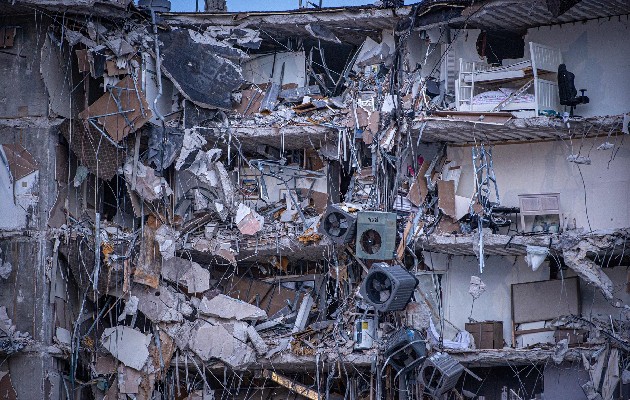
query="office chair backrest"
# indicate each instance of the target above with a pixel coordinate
(566, 86)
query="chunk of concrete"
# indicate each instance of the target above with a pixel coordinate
(63, 335)
(162, 304)
(226, 307)
(148, 186)
(192, 142)
(189, 274)
(259, 344)
(215, 342)
(180, 333)
(5, 269)
(128, 345)
(166, 237)
(248, 221)
(131, 308)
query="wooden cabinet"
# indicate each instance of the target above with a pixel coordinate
(540, 212)
(487, 335)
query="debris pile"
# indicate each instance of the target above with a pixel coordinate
(241, 209)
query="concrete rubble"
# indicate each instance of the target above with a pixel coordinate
(127, 345)
(378, 202)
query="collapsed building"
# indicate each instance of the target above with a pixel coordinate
(363, 203)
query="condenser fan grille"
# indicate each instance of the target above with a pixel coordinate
(371, 241)
(378, 288)
(336, 224)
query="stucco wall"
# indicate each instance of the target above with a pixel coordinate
(542, 167)
(598, 53)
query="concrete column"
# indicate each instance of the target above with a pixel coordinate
(34, 372)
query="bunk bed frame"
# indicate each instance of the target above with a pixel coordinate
(543, 62)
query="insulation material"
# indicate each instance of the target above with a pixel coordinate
(536, 255)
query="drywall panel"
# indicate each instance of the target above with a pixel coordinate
(494, 304)
(150, 87)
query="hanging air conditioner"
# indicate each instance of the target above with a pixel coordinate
(376, 235)
(338, 224)
(388, 288)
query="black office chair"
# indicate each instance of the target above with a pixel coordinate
(566, 87)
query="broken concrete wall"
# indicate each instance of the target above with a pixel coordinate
(543, 168)
(23, 93)
(264, 69)
(39, 138)
(26, 295)
(26, 290)
(61, 75)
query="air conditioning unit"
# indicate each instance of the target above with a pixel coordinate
(440, 373)
(388, 288)
(406, 349)
(338, 224)
(376, 235)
